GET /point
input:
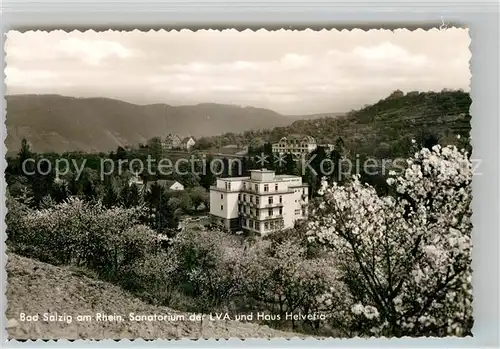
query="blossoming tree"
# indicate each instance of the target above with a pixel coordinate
(405, 257)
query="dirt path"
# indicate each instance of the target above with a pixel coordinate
(39, 288)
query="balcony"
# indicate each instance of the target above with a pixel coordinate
(247, 203)
(267, 218)
(213, 187)
(248, 190)
(274, 204)
(269, 192)
(248, 215)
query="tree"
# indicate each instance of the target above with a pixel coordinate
(396, 94)
(383, 151)
(41, 184)
(405, 258)
(163, 212)
(121, 153)
(90, 191)
(199, 196)
(318, 168)
(60, 191)
(428, 138)
(207, 178)
(130, 196)
(290, 165)
(111, 197)
(24, 154)
(337, 156)
(186, 204)
(155, 148)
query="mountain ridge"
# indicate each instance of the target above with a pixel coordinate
(56, 123)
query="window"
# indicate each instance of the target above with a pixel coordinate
(266, 187)
(244, 222)
(257, 226)
(222, 196)
(256, 187)
(276, 187)
(266, 226)
(244, 185)
(281, 199)
(258, 213)
(270, 212)
(244, 197)
(228, 186)
(225, 184)
(250, 223)
(251, 198)
(297, 212)
(303, 212)
(281, 211)
(257, 200)
(239, 196)
(270, 200)
(221, 207)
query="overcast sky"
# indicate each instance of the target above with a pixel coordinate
(291, 72)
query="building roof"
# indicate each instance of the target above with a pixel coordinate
(262, 170)
(172, 137)
(283, 176)
(298, 137)
(276, 178)
(166, 183)
(186, 139)
(229, 179)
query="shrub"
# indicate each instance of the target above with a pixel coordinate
(84, 234)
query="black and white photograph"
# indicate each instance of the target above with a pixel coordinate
(238, 184)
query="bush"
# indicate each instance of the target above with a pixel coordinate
(14, 219)
(82, 234)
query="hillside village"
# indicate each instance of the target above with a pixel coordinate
(230, 237)
(357, 133)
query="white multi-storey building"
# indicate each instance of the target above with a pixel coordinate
(262, 203)
(295, 144)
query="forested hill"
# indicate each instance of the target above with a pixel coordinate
(54, 123)
(384, 127)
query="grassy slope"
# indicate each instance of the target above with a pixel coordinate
(36, 288)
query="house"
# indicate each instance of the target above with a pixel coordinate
(261, 203)
(172, 141)
(187, 143)
(136, 180)
(168, 184)
(328, 147)
(295, 144)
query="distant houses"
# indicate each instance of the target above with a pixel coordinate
(188, 143)
(295, 144)
(168, 184)
(172, 141)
